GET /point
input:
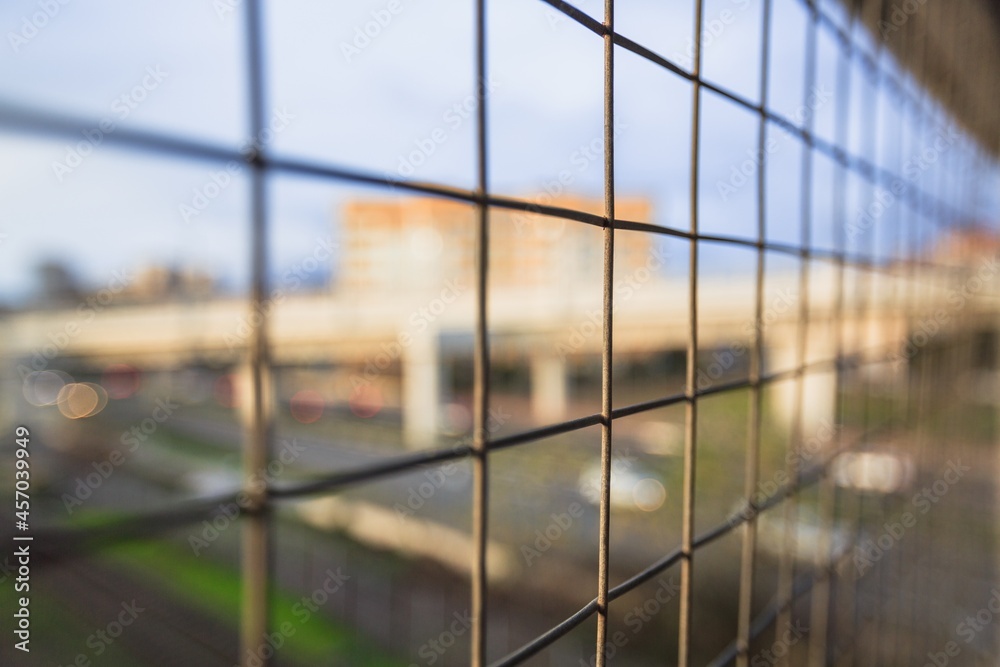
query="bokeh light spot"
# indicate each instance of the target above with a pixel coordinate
(120, 380)
(649, 494)
(307, 406)
(79, 400)
(366, 401)
(42, 388)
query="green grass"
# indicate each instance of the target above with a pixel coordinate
(57, 635)
(215, 590)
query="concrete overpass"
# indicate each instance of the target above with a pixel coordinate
(382, 337)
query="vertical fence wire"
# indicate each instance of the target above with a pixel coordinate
(752, 462)
(848, 502)
(950, 385)
(860, 279)
(607, 348)
(900, 385)
(685, 624)
(481, 360)
(917, 377)
(789, 551)
(823, 616)
(256, 546)
(876, 302)
(905, 249)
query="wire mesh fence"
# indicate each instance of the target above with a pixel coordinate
(827, 416)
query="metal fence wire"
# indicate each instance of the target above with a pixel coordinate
(878, 615)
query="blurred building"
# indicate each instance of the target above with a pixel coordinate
(401, 244)
(966, 244)
(155, 282)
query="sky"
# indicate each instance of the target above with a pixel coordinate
(399, 103)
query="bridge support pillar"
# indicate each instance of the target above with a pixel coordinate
(549, 390)
(421, 391)
(819, 385)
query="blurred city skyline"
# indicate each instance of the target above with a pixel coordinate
(414, 125)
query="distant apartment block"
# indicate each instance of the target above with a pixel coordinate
(403, 244)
